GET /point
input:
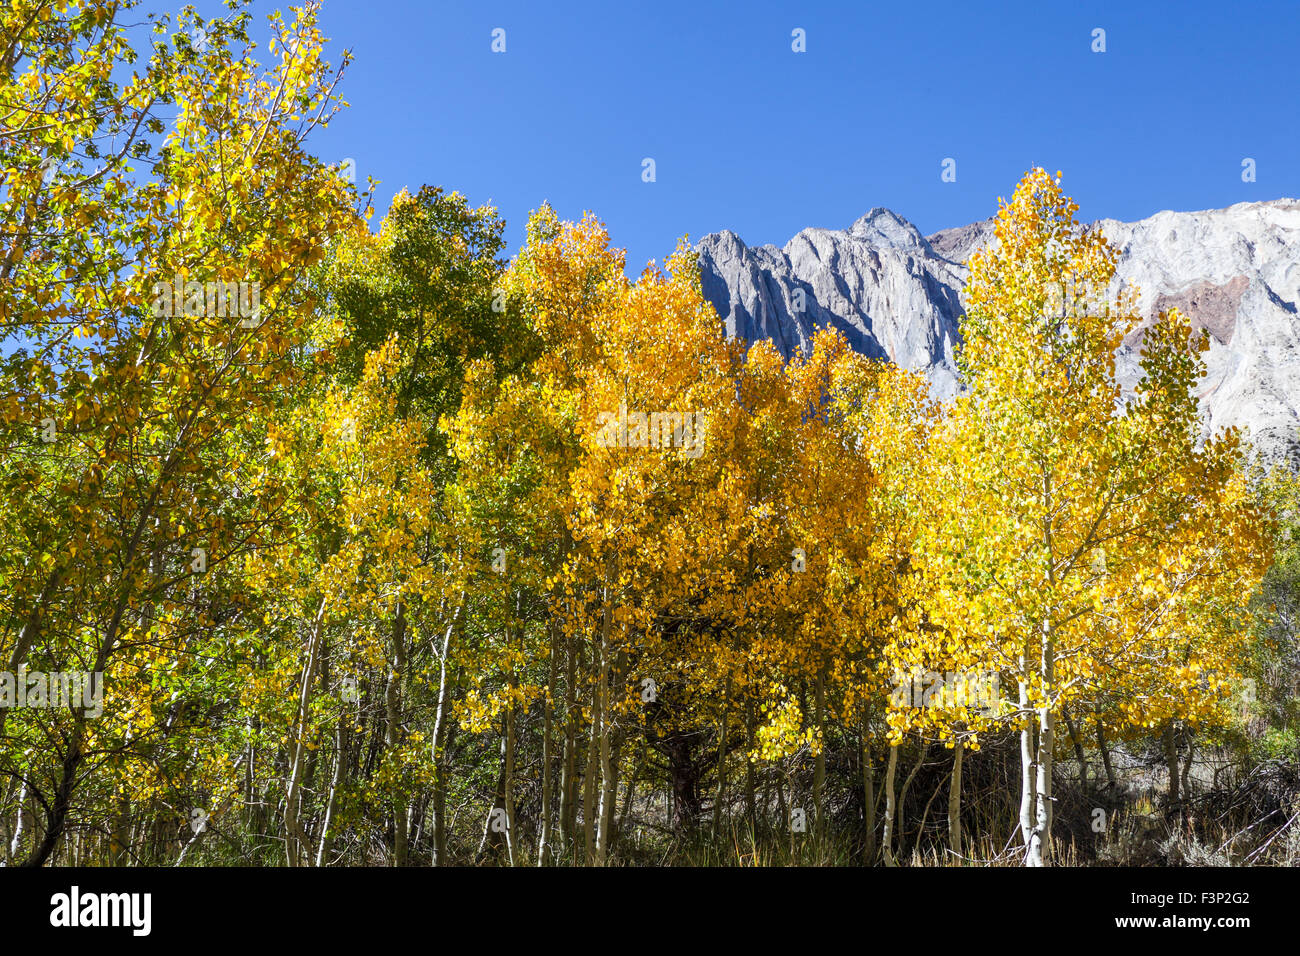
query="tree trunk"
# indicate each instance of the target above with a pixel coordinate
(31, 627)
(1105, 755)
(1171, 765)
(954, 798)
(923, 751)
(590, 772)
(1028, 785)
(606, 771)
(683, 775)
(6, 791)
(868, 797)
(295, 839)
(751, 802)
(508, 783)
(393, 729)
(569, 765)
(514, 627)
(629, 791)
(1046, 798)
(438, 803)
(721, 792)
(490, 840)
(1078, 749)
(887, 842)
(609, 797)
(16, 840)
(819, 766)
(548, 704)
(336, 783)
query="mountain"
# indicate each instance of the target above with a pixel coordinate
(897, 295)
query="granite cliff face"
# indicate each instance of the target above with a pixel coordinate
(880, 282)
(896, 294)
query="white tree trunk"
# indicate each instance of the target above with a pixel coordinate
(887, 841)
(954, 798)
(606, 770)
(1029, 787)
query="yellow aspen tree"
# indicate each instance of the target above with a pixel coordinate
(826, 442)
(1045, 463)
(159, 310)
(661, 390)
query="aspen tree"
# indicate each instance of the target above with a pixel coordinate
(1045, 463)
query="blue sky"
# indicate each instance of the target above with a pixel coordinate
(748, 135)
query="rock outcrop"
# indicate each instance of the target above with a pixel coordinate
(896, 294)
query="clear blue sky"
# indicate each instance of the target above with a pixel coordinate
(749, 135)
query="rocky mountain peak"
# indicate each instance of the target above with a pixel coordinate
(883, 227)
(896, 295)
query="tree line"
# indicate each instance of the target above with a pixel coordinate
(435, 557)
